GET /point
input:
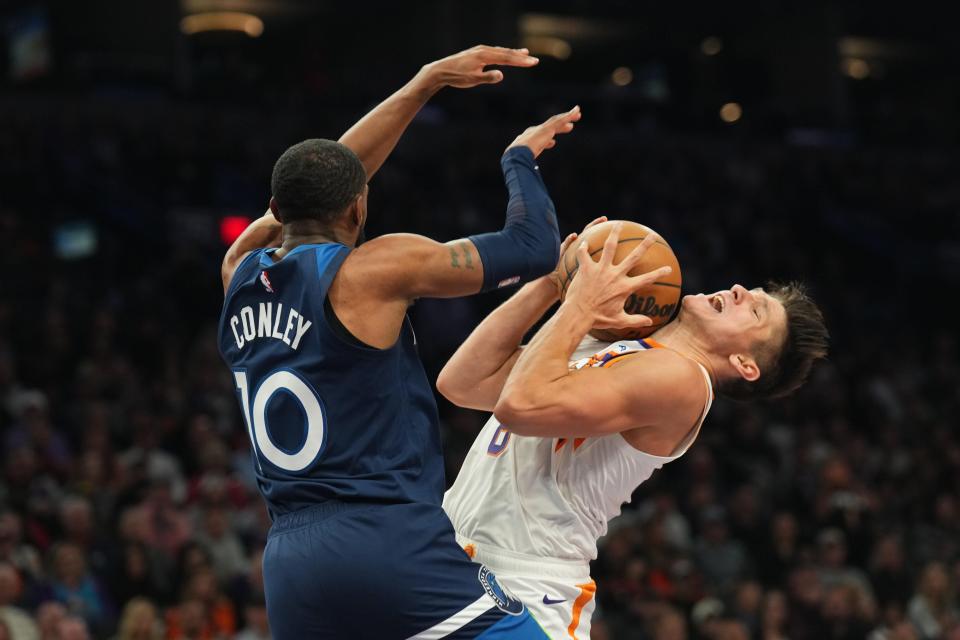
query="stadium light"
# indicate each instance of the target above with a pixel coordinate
(231, 227)
(731, 112)
(222, 21)
(548, 46)
(711, 46)
(622, 76)
(856, 68)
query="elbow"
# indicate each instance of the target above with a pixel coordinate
(446, 386)
(513, 411)
(544, 252)
(452, 387)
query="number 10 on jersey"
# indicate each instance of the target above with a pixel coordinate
(255, 415)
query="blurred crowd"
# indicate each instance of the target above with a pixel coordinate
(128, 506)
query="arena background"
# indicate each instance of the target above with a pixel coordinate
(815, 141)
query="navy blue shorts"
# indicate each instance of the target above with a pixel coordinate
(355, 571)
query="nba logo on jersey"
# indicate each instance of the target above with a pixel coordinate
(265, 281)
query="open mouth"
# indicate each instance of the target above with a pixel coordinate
(717, 303)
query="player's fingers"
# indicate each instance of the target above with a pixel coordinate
(491, 77)
(567, 116)
(583, 254)
(633, 320)
(635, 282)
(610, 245)
(637, 254)
(508, 57)
(567, 242)
(595, 222)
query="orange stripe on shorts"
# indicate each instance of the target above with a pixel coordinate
(587, 592)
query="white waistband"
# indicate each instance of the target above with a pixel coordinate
(504, 561)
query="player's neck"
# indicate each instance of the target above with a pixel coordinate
(299, 232)
(678, 338)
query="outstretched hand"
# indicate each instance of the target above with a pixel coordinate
(601, 288)
(468, 68)
(541, 136)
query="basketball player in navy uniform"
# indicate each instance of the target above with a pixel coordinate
(341, 416)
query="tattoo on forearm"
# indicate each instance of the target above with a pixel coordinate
(466, 255)
(454, 261)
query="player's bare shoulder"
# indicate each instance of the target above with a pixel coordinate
(679, 390)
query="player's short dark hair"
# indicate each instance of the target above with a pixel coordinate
(316, 179)
(784, 366)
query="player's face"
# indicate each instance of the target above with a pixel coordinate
(736, 318)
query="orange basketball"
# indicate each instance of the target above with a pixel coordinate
(658, 300)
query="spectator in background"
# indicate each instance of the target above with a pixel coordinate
(847, 612)
(938, 538)
(192, 560)
(256, 627)
(134, 577)
(78, 526)
(805, 600)
(222, 544)
(888, 573)
(73, 628)
(189, 621)
(663, 506)
(73, 585)
(706, 616)
(669, 624)
(722, 560)
(33, 429)
(139, 621)
(49, 616)
(832, 568)
(167, 526)
(202, 597)
(773, 622)
(249, 586)
(782, 549)
(747, 604)
(21, 556)
(19, 624)
(933, 610)
(159, 466)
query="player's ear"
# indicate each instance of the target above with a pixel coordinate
(275, 209)
(358, 211)
(745, 365)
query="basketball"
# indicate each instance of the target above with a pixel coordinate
(658, 300)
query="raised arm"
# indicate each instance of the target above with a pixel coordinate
(262, 232)
(377, 133)
(475, 374)
(381, 277)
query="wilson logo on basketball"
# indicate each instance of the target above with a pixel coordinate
(647, 305)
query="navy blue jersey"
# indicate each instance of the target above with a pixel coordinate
(328, 419)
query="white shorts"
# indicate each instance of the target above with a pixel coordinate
(558, 593)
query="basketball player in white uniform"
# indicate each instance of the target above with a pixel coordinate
(578, 424)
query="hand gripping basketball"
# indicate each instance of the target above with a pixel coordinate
(601, 288)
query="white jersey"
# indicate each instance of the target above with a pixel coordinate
(550, 498)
